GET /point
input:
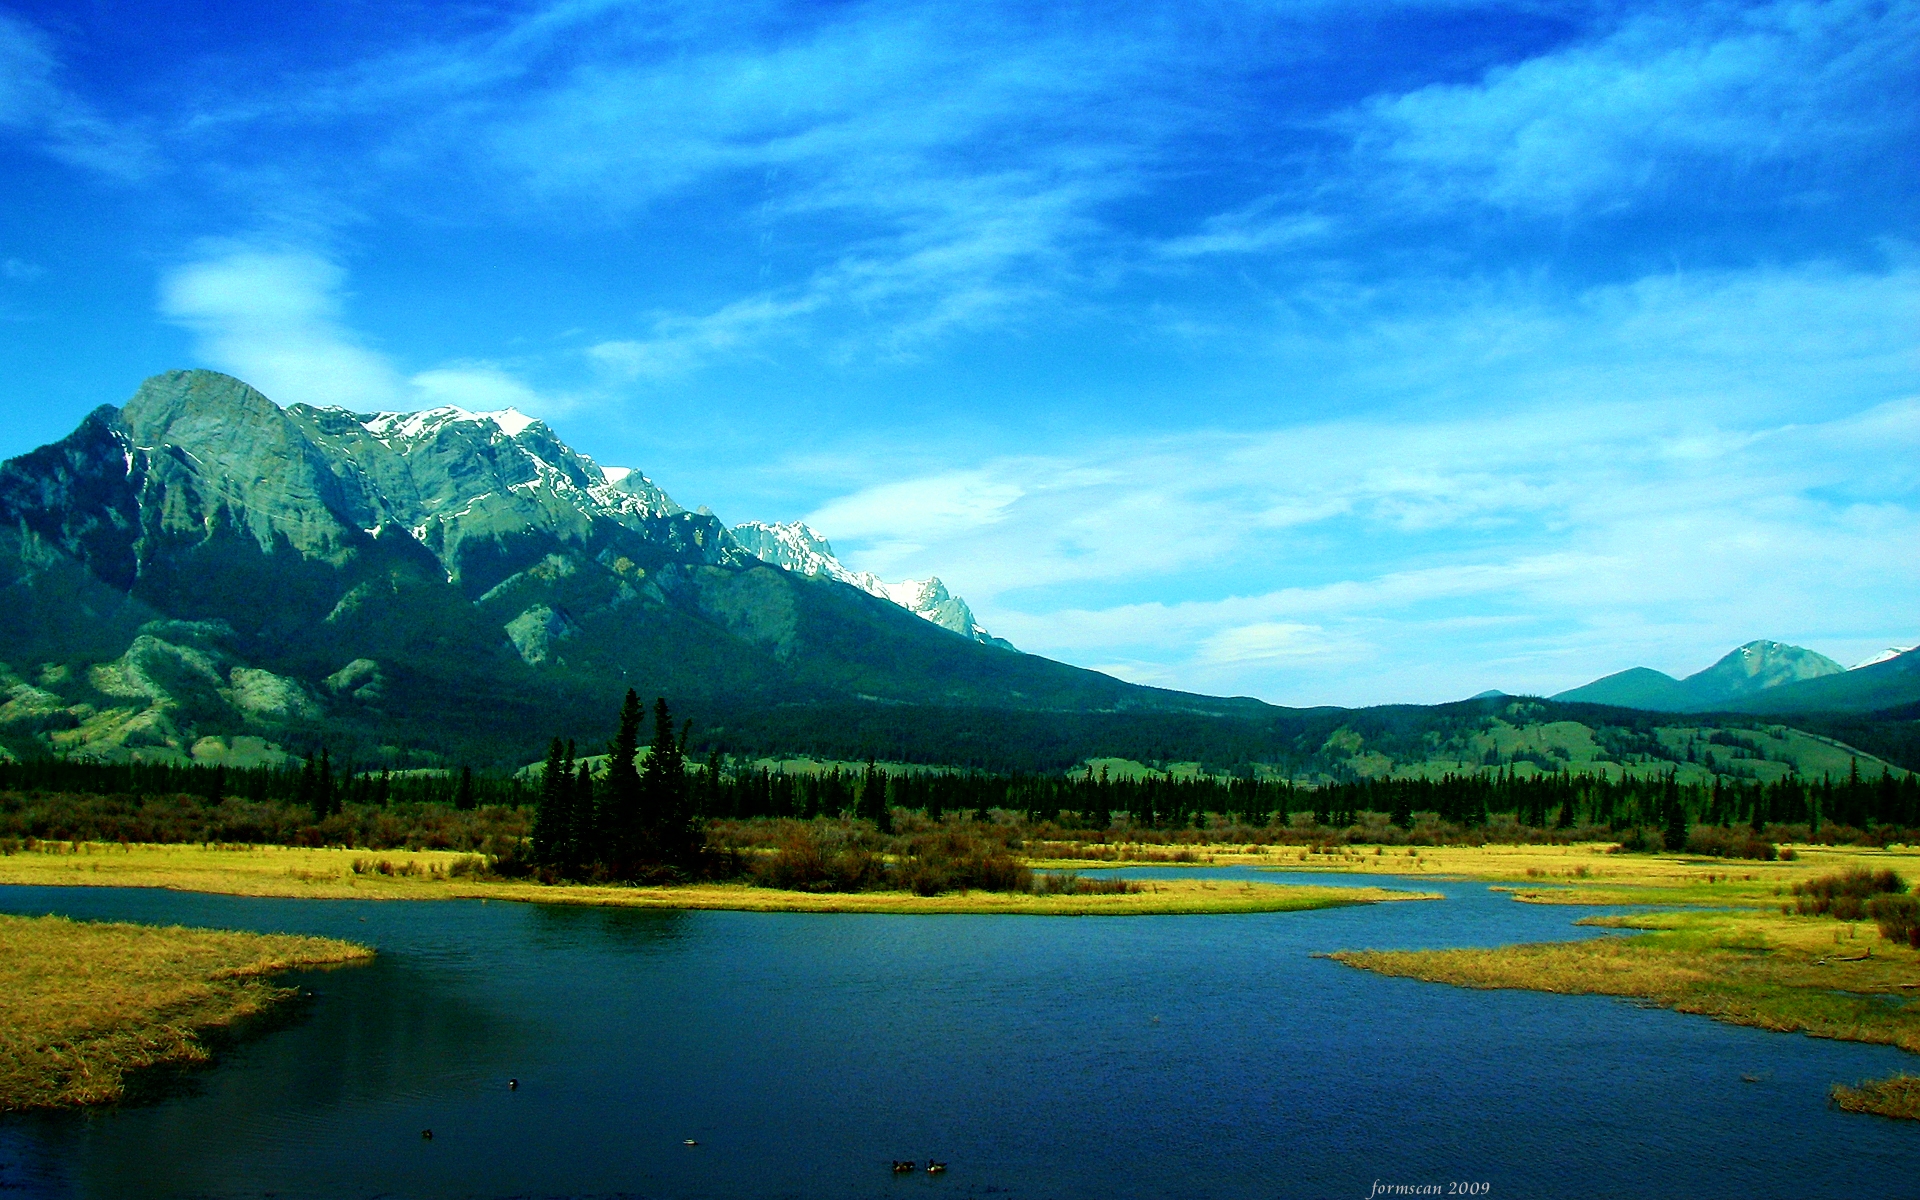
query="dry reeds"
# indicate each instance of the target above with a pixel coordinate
(1896, 1097)
(84, 1004)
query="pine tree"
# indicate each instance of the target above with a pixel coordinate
(324, 803)
(549, 816)
(1676, 831)
(620, 822)
(463, 794)
(666, 816)
(586, 844)
(1402, 814)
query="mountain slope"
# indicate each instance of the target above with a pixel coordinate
(202, 564)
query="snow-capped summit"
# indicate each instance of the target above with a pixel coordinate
(413, 425)
(1889, 653)
(799, 548)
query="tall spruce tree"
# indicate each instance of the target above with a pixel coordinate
(1675, 834)
(620, 825)
(585, 844)
(666, 811)
(550, 816)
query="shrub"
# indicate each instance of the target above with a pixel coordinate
(819, 858)
(1724, 842)
(1066, 883)
(1845, 894)
(1898, 917)
(1641, 841)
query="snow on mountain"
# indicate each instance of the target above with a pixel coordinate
(800, 549)
(1889, 653)
(448, 475)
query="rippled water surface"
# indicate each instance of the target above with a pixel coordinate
(1204, 1056)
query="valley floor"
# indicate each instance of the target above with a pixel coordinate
(83, 1004)
(441, 875)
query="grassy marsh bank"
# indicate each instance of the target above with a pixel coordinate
(84, 1004)
(1761, 968)
(429, 875)
(1895, 1097)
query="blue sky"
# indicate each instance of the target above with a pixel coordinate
(1324, 353)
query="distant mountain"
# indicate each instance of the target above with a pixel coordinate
(1883, 684)
(1765, 677)
(1883, 656)
(1635, 687)
(797, 547)
(202, 567)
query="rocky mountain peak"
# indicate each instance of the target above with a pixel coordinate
(799, 548)
(1759, 665)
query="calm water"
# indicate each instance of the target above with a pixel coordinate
(1097, 1057)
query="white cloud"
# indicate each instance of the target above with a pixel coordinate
(1607, 122)
(274, 317)
(902, 517)
(477, 387)
(1651, 473)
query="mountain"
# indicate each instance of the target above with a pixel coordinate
(795, 546)
(1886, 683)
(1758, 676)
(1883, 656)
(1635, 687)
(201, 569)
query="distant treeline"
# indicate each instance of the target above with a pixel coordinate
(641, 816)
(1084, 800)
(319, 784)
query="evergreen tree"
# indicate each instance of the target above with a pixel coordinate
(305, 794)
(620, 823)
(586, 844)
(666, 816)
(324, 803)
(550, 832)
(1676, 831)
(463, 794)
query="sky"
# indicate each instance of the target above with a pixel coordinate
(1325, 353)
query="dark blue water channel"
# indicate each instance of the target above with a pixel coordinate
(1208, 1056)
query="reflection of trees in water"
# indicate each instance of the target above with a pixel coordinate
(574, 926)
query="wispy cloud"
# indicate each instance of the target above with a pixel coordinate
(1673, 98)
(35, 103)
(274, 317)
(1596, 508)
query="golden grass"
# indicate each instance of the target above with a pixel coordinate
(1585, 873)
(426, 875)
(1895, 1097)
(1811, 975)
(83, 1004)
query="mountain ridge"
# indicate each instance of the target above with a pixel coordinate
(1762, 676)
(203, 563)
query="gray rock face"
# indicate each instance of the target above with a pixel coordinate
(535, 632)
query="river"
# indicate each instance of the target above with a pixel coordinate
(1204, 1056)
